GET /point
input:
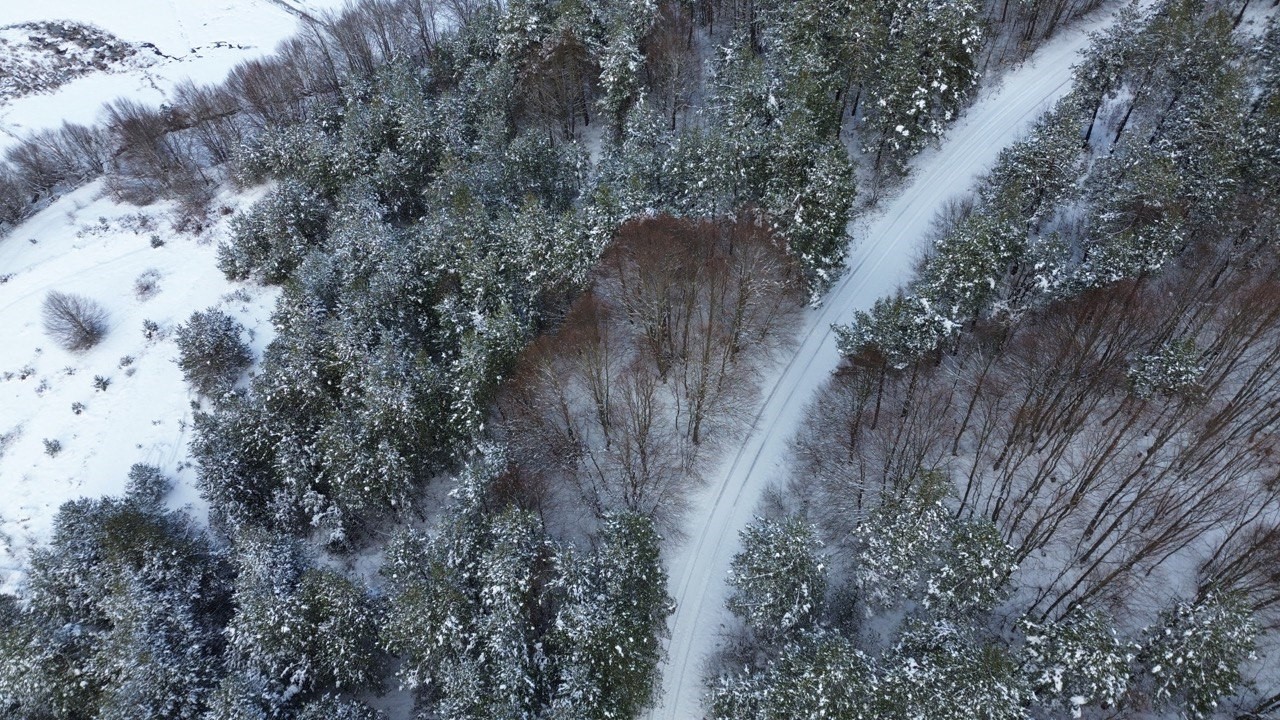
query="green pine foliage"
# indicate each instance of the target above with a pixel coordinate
(778, 577)
(609, 626)
(122, 616)
(1194, 652)
(1078, 662)
(491, 620)
(820, 675)
(211, 352)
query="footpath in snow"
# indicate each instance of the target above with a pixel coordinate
(880, 259)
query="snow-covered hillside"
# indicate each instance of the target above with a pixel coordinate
(131, 260)
(175, 40)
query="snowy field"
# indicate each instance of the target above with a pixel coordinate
(130, 260)
(103, 251)
(189, 39)
(880, 259)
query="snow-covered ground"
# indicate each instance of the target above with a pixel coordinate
(90, 246)
(880, 259)
(103, 251)
(196, 39)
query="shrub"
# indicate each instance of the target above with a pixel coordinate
(52, 447)
(74, 322)
(101, 383)
(15, 200)
(147, 485)
(147, 284)
(211, 353)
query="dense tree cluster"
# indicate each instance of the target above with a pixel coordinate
(576, 227)
(751, 97)
(1106, 489)
(656, 355)
(133, 612)
(1168, 105)
(493, 619)
(1078, 376)
(123, 614)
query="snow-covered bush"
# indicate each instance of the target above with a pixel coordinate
(211, 353)
(147, 485)
(73, 321)
(146, 285)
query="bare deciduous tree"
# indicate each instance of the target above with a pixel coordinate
(74, 322)
(1106, 491)
(618, 403)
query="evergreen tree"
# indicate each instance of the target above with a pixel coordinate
(922, 77)
(939, 670)
(297, 632)
(1194, 652)
(1077, 662)
(778, 578)
(972, 572)
(465, 610)
(901, 329)
(615, 608)
(1174, 368)
(821, 675)
(123, 617)
(897, 547)
(211, 353)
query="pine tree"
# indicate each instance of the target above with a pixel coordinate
(778, 578)
(211, 352)
(820, 675)
(1194, 652)
(897, 547)
(297, 631)
(972, 573)
(938, 670)
(922, 77)
(902, 329)
(1174, 368)
(1077, 662)
(608, 628)
(465, 610)
(123, 616)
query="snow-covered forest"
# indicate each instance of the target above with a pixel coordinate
(527, 266)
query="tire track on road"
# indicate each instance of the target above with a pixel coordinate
(876, 267)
